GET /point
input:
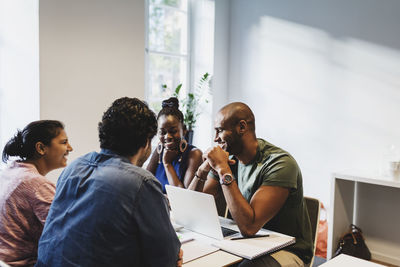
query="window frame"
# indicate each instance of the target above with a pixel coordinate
(188, 86)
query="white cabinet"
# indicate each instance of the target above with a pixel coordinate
(371, 202)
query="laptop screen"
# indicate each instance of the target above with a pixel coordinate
(195, 211)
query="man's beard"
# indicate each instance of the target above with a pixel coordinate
(234, 145)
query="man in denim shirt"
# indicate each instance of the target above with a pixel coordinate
(107, 210)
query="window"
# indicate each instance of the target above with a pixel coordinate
(167, 49)
(180, 49)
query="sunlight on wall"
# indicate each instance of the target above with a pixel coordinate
(331, 102)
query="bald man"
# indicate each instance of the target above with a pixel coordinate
(262, 185)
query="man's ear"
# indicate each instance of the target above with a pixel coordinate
(242, 126)
(41, 149)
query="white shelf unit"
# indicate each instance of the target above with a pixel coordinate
(372, 202)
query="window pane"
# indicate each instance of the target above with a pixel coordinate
(165, 70)
(167, 30)
(181, 4)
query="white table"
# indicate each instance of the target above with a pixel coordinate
(371, 202)
(347, 261)
(216, 259)
(201, 244)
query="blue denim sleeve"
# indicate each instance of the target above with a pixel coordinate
(158, 239)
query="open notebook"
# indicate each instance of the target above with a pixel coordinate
(252, 248)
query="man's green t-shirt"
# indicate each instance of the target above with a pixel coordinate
(273, 166)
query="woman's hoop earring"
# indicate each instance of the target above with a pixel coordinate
(183, 145)
(159, 150)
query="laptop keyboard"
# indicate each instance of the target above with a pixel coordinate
(227, 232)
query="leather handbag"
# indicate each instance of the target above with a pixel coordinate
(352, 243)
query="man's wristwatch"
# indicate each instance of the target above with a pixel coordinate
(227, 179)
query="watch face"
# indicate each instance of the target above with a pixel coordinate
(227, 179)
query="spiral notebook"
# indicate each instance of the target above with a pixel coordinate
(252, 248)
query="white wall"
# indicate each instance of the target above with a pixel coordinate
(91, 52)
(323, 78)
(221, 54)
(19, 66)
(202, 55)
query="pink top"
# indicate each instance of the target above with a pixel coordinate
(25, 198)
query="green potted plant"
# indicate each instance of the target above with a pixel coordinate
(190, 103)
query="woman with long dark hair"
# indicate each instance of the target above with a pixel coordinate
(25, 192)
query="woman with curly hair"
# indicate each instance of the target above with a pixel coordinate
(174, 161)
(25, 192)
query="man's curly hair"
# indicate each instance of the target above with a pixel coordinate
(126, 126)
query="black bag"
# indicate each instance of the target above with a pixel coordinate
(353, 244)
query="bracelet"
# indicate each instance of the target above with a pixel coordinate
(198, 177)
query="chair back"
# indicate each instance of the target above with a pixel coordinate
(313, 207)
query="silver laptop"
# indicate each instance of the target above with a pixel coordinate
(196, 212)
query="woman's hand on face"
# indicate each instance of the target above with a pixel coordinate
(169, 155)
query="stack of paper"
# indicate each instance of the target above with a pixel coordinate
(196, 249)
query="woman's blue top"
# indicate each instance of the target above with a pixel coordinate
(180, 165)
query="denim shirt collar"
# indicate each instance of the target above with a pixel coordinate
(112, 153)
